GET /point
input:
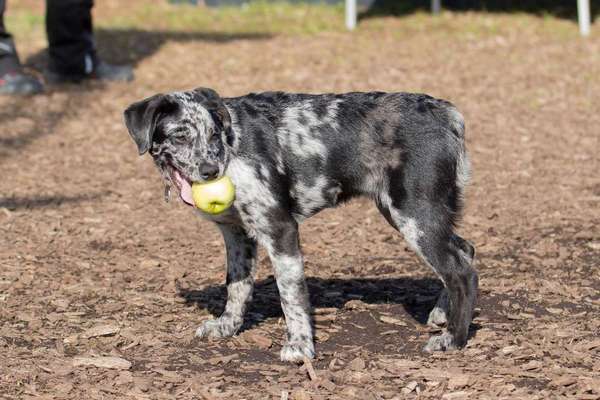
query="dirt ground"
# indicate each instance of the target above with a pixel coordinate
(102, 283)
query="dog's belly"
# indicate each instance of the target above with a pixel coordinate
(308, 198)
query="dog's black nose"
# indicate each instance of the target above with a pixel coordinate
(208, 171)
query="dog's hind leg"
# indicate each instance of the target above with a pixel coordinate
(439, 315)
(427, 227)
(241, 267)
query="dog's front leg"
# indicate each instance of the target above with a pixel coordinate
(241, 267)
(284, 251)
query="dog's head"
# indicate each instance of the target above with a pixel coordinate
(188, 134)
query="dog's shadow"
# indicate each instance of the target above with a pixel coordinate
(416, 295)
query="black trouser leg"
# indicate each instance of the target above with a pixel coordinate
(70, 37)
(9, 60)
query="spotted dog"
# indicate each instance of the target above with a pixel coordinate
(292, 155)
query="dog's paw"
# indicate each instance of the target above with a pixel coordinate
(217, 328)
(439, 315)
(443, 342)
(295, 352)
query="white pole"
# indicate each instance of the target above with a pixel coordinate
(350, 14)
(436, 6)
(583, 10)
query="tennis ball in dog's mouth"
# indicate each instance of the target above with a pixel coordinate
(213, 197)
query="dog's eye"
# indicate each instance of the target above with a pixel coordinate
(181, 139)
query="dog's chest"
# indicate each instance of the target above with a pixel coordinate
(258, 195)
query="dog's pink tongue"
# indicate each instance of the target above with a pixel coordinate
(186, 189)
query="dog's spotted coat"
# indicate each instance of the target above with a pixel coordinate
(292, 155)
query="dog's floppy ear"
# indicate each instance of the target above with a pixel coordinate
(141, 118)
(215, 106)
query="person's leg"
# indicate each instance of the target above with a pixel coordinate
(70, 40)
(12, 78)
(9, 60)
(71, 44)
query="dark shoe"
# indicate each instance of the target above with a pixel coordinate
(19, 83)
(102, 71)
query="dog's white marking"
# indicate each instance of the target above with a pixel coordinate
(310, 198)
(299, 136)
(289, 267)
(248, 187)
(411, 232)
(463, 169)
(251, 192)
(235, 127)
(332, 114)
(279, 162)
(409, 229)
(406, 225)
(265, 172)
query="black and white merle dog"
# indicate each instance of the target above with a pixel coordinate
(292, 155)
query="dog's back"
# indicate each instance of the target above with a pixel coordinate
(319, 150)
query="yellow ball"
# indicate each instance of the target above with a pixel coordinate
(214, 197)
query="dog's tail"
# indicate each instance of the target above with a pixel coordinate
(456, 124)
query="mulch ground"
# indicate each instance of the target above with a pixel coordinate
(102, 284)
